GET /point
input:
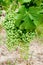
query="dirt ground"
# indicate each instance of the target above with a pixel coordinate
(36, 52)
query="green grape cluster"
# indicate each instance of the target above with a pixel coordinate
(15, 35)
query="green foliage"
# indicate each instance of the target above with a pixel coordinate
(38, 2)
(4, 4)
(24, 1)
(23, 21)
